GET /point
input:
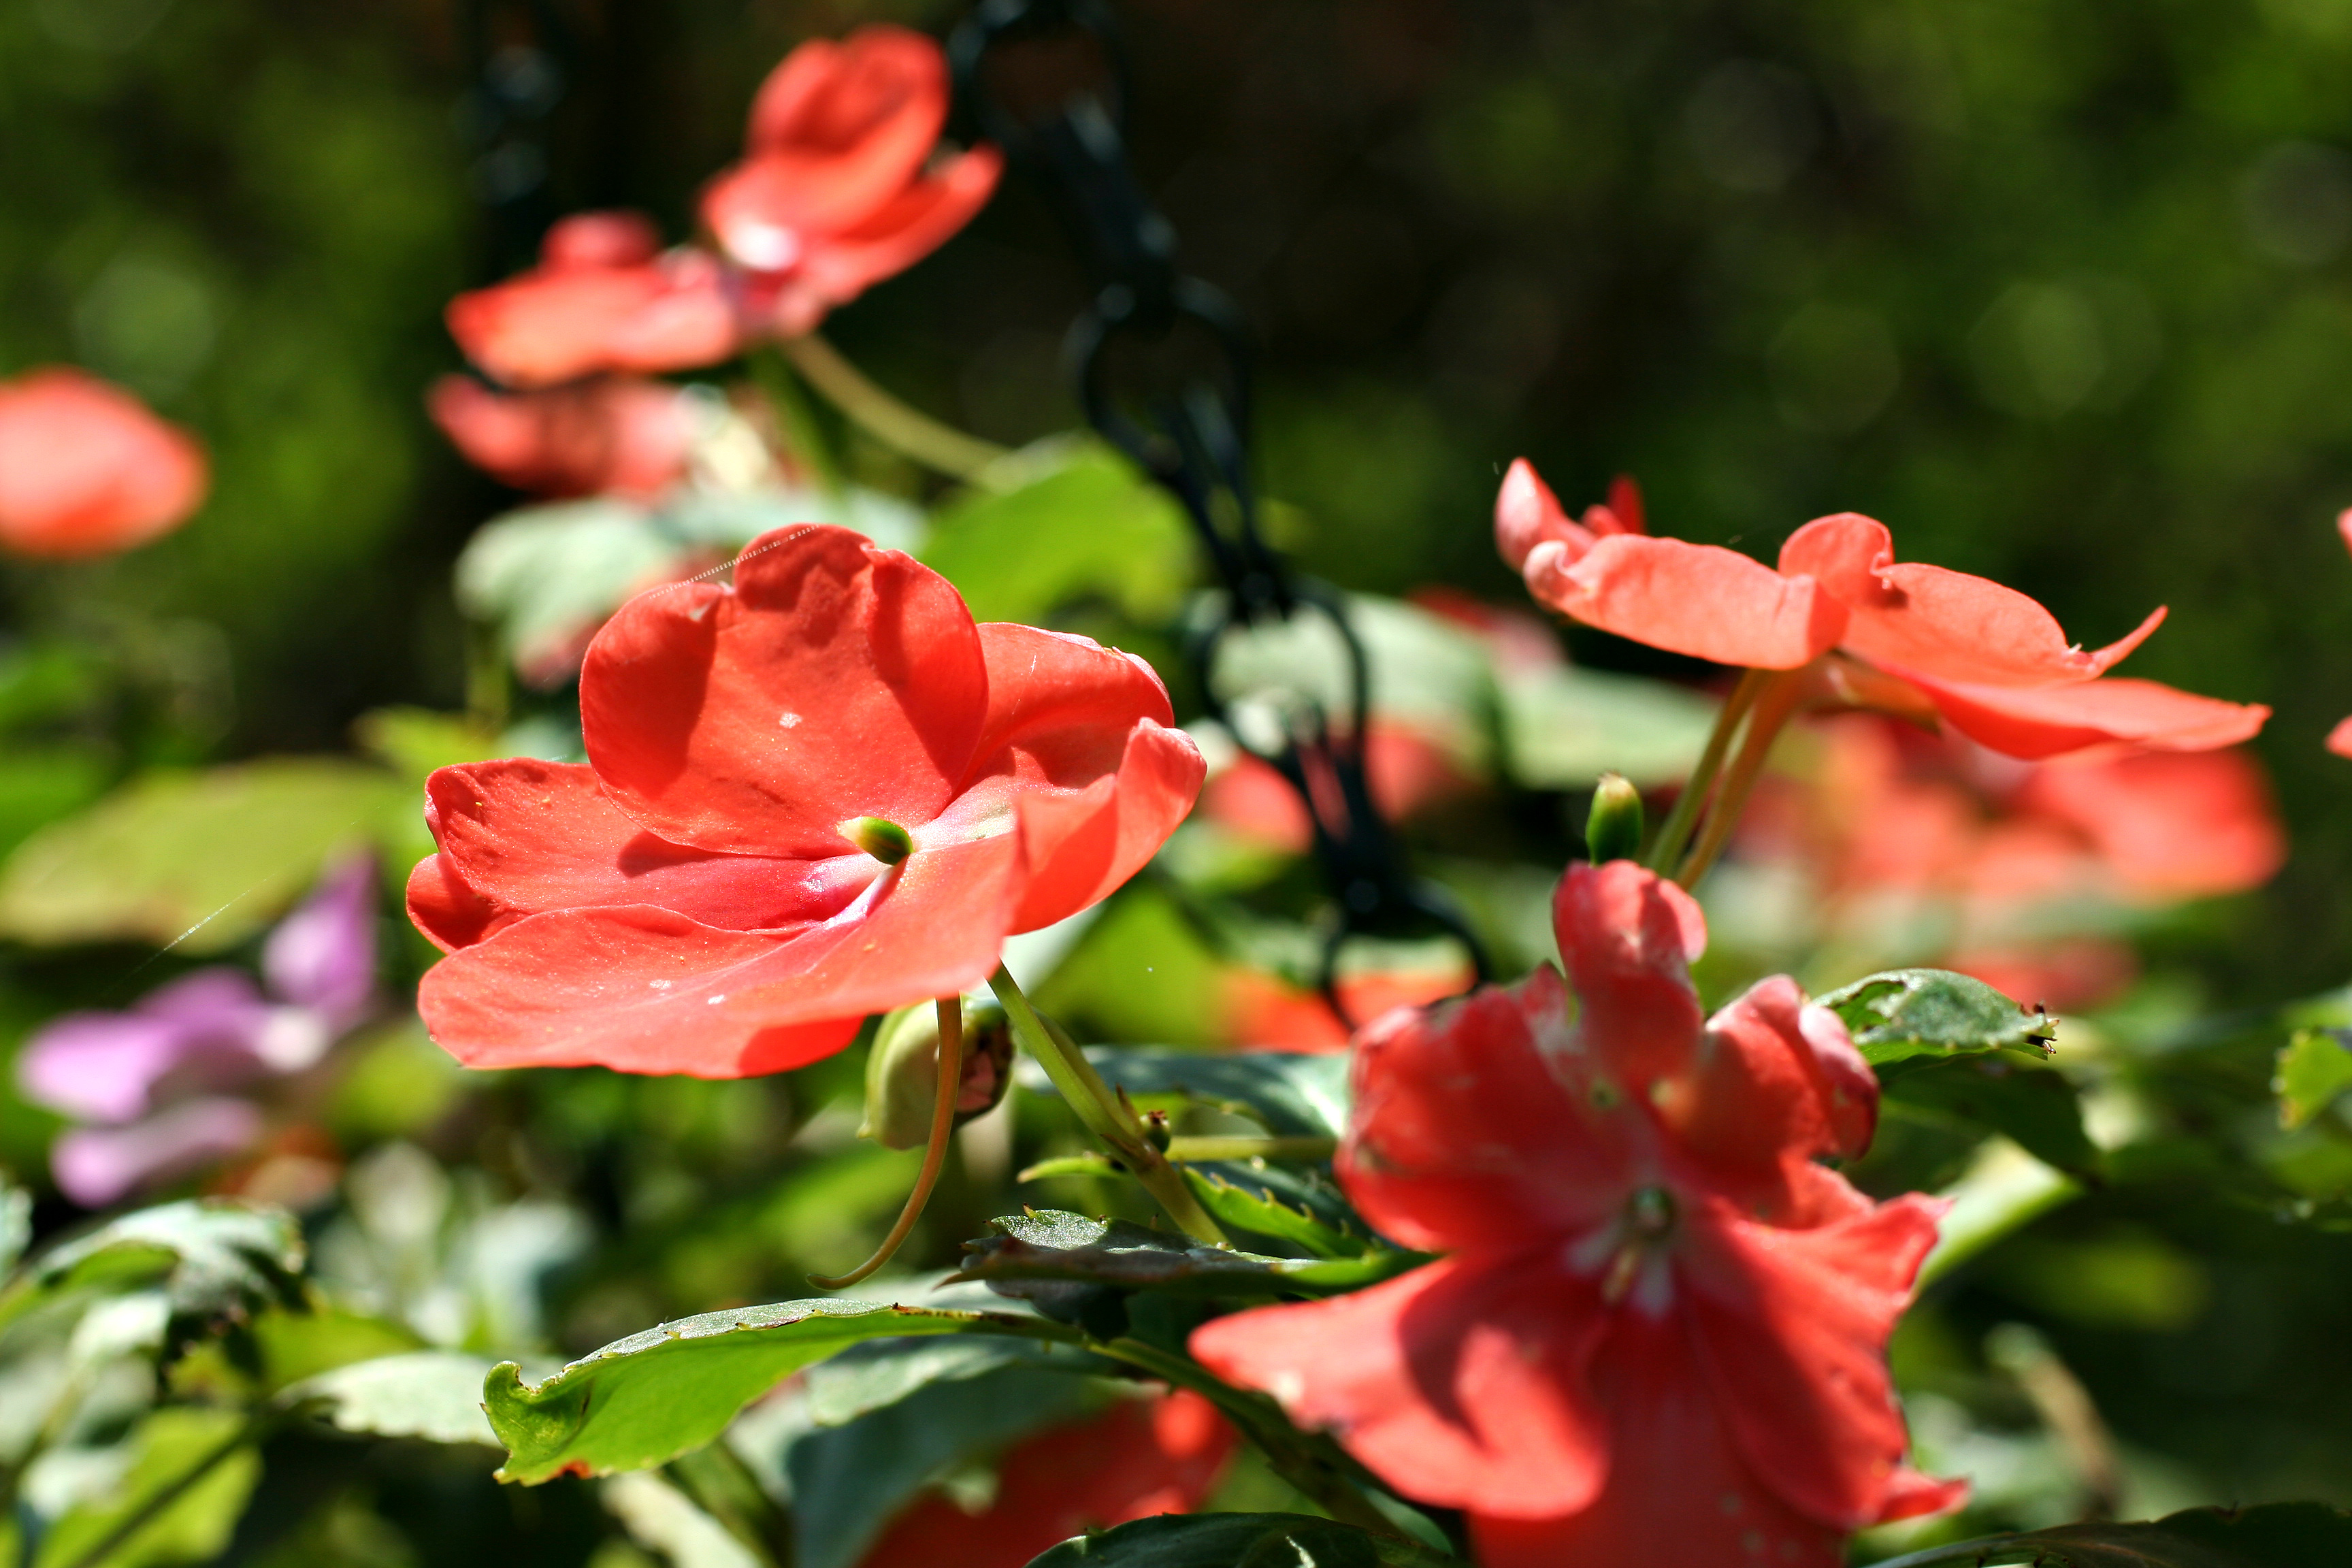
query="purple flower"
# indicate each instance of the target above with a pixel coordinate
(152, 1079)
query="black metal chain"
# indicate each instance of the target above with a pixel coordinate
(1195, 444)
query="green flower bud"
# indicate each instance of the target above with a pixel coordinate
(1613, 831)
(902, 1075)
(880, 838)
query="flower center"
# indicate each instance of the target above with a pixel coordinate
(880, 838)
(1644, 1230)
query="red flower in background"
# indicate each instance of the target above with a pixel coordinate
(1659, 1332)
(86, 470)
(839, 188)
(819, 794)
(605, 297)
(1139, 1459)
(1990, 661)
(2339, 740)
(612, 435)
(1258, 1011)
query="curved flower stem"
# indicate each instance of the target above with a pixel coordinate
(804, 437)
(907, 431)
(1306, 1462)
(1770, 710)
(1105, 1112)
(1675, 830)
(935, 1151)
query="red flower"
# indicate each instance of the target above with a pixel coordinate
(1139, 1458)
(819, 794)
(603, 298)
(1990, 661)
(85, 470)
(840, 189)
(614, 434)
(1658, 1335)
(2339, 740)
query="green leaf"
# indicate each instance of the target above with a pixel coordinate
(1090, 526)
(433, 1394)
(1238, 1541)
(2033, 1105)
(648, 1398)
(201, 860)
(1055, 1259)
(2276, 1535)
(2313, 1070)
(1300, 1094)
(212, 1257)
(1262, 1212)
(196, 1464)
(1908, 1017)
(2005, 1189)
(1564, 727)
(867, 1377)
(16, 1223)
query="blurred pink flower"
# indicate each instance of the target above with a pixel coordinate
(613, 433)
(86, 470)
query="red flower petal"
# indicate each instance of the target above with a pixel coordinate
(587, 241)
(1911, 1495)
(1791, 1326)
(1628, 936)
(87, 470)
(875, 102)
(519, 837)
(1677, 1493)
(619, 434)
(1945, 624)
(1461, 1383)
(2037, 722)
(913, 224)
(1527, 514)
(642, 989)
(1084, 847)
(558, 323)
(834, 680)
(2170, 825)
(2339, 739)
(1465, 1135)
(1695, 599)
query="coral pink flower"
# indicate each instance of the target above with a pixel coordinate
(839, 188)
(1991, 662)
(1658, 1334)
(614, 435)
(603, 297)
(1265, 1012)
(2339, 739)
(2167, 825)
(1405, 770)
(85, 470)
(1139, 1459)
(818, 794)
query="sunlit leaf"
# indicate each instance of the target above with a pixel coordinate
(2313, 1070)
(2276, 1535)
(191, 1471)
(648, 1398)
(1238, 1541)
(1292, 1093)
(1090, 526)
(433, 1394)
(1054, 1258)
(201, 859)
(1250, 1204)
(1564, 727)
(211, 1257)
(2005, 1189)
(1905, 1017)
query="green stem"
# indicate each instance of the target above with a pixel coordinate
(1105, 1112)
(1674, 831)
(803, 436)
(935, 1150)
(171, 1492)
(1309, 1463)
(1983, 1549)
(904, 430)
(1769, 710)
(1181, 1150)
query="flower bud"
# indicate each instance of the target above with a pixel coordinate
(1613, 830)
(902, 1075)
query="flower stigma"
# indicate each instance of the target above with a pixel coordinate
(880, 838)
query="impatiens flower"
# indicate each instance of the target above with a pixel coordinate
(819, 792)
(840, 187)
(1139, 1458)
(615, 435)
(1990, 661)
(85, 470)
(151, 1085)
(1658, 1331)
(1405, 770)
(2339, 740)
(605, 297)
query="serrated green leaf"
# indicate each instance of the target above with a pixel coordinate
(867, 1377)
(1238, 1541)
(2313, 1070)
(2033, 1105)
(1091, 525)
(648, 1398)
(1293, 1093)
(433, 1394)
(2276, 1535)
(1257, 1209)
(211, 1257)
(201, 859)
(1045, 1255)
(1903, 1018)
